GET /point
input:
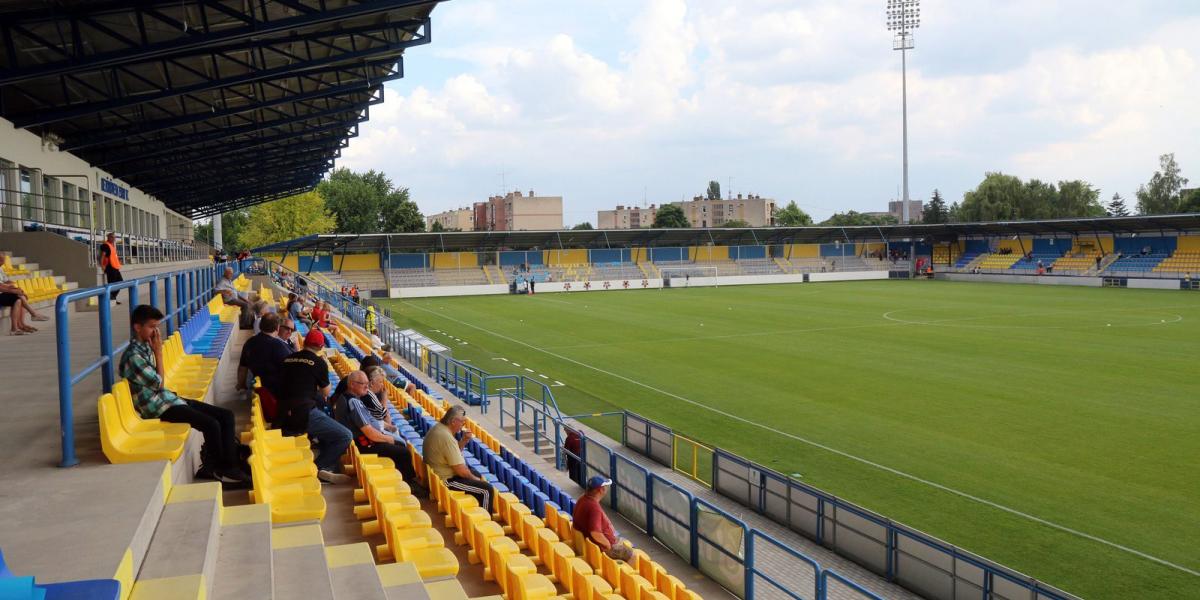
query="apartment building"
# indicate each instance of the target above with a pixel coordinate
(753, 209)
(626, 217)
(459, 219)
(516, 211)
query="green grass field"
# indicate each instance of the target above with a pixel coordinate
(1075, 407)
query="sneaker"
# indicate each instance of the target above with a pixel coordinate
(233, 479)
(418, 490)
(333, 478)
(204, 473)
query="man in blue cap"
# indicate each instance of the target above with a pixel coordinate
(590, 520)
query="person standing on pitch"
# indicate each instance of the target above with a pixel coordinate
(111, 263)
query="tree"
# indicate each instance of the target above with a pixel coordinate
(1077, 199)
(1190, 202)
(994, 199)
(792, 216)
(233, 223)
(369, 203)
(714, 190)
(584, 226)
(1162, 194)
(1116, 207)
(670, 216)
(735, 223)
(853, 218)
(286, 219)
(400, 214)
(936, 211)
(436, 227)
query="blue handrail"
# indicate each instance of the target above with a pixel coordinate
(192, 288)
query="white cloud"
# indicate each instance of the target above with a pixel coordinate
(795, 101)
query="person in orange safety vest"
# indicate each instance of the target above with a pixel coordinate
(111, 263)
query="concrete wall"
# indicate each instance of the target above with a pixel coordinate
(1153, 284)
(574, 287)
(848, 276)
(52, 251)
(1034, 279)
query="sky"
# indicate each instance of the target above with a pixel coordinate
(644, 101)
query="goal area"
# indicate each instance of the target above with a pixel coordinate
(683, 276)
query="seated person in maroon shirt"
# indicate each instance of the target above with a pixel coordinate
(590, 520)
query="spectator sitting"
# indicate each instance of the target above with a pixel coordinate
(14, 298)
(228, 293)
(320, 314)
(304, 388)
(295, 308)
(262, 357)
(287, 333)
(141, 366)
(368, 361)
(590, 520)
(444, 455)
(351, 410)
(377, 402)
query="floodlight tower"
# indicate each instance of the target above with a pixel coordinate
(902, 17)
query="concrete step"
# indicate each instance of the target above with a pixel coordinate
(244, 562)
(401, 581)
(300, 568)
(352, 569)
(183, 553)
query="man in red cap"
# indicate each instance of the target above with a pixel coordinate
(304, 386)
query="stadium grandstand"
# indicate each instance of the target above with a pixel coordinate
(1153, 251)
(133, 118)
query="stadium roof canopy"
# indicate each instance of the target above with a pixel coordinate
(208, 105)
(637, 238)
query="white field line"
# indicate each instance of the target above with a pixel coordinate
(833, 450)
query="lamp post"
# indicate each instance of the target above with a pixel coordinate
(902, 17)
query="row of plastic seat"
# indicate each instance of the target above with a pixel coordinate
(227, 313)
(126, 437)
(189, 375)
(206, 334)
(38, 288)
(553, 541)
(13, 270)
(391, 509)
(283, 471)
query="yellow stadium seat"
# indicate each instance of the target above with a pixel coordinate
(135, 424)
(534, 587)
(121, 447)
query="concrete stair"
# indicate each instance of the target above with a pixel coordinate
(182, 557)
(301, 569)
(245, 559)
(201, 549)
(35, 271)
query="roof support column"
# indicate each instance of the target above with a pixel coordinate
(216, 231)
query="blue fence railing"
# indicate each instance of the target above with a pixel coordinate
(179, 294)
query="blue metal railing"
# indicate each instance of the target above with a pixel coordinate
(183, 293)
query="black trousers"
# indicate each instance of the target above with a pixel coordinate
(474, 487)
(112, 276)
(399, 455)
(217, 426)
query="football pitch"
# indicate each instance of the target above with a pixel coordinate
(1055, 430)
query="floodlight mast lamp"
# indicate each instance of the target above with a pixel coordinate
(902, 17)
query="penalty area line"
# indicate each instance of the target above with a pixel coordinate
(842, 453)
